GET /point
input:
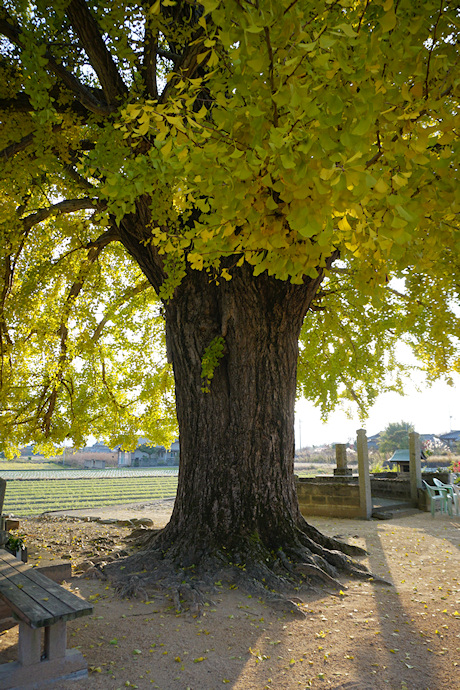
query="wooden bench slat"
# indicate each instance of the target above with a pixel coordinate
(39, 594)
(64, 595)
(34, 598)
(25, 607)
(22, 605)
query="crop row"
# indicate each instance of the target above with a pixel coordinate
(110, 473)
(35, 497)
(104, 485)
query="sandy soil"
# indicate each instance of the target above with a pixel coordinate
(369, 636)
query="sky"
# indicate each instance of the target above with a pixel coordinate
(432, 410)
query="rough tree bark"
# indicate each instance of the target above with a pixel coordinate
(236, 478)
(236, 502)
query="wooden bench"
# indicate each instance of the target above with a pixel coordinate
(37, 602)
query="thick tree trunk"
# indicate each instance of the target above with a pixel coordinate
(236, 478)
(236, 501)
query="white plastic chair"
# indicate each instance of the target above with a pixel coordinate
(438, 497)
(452, 495)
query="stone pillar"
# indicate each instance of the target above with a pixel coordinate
(341, 459)
(415, 466)
(29, 646)
(365, 496)
(56, 640)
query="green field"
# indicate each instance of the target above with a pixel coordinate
(25, 497)
(16, 465)
(76, 473)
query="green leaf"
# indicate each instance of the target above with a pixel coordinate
(388, 21)
(288, 160)
(363, 126)
(347, 30)
(335, 105)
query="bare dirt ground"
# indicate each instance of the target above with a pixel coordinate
(368, 636)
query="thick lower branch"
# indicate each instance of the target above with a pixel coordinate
(67, 206)
(100, 57)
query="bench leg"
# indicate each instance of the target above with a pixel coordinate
(31, 671)
(55, 640)
(29, 645)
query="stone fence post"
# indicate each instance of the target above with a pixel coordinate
(415, 467)
(365, 496)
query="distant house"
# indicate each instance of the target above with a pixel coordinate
(373, 441)
(97, 454)
(27, 453)
(432, 438)
(94, 464)
(155, 456)
(98, 447)
(124, 458)
(450, 439)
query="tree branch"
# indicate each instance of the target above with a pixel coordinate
(100, 57)
(430, 52)
(149, 63)
(13, 32)
(271, 74)
(16, 147)
(11, 150)
(289, 7)
(187, 67)
(108, 236)
(362, 16)
(63, 333)
(76, 177)
(112, 397)
(21, 104)
(9, 28)
(82, 92)
(67, 206)
(401, 295)
(127, 295)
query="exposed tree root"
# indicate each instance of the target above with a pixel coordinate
(189, 574)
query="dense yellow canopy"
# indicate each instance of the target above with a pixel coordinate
(277, 133)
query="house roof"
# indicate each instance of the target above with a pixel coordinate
(450, 436)
(98, 448)
(403, 455)
(400, 455)
(429, 437)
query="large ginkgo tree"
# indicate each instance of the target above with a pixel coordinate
(207, 183)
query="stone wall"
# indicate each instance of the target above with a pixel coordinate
(393, 486)
(328, 498)
(445, 477)
(333, 496)
(343, 495)
(389, 485)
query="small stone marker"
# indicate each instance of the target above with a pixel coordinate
(341, 459)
